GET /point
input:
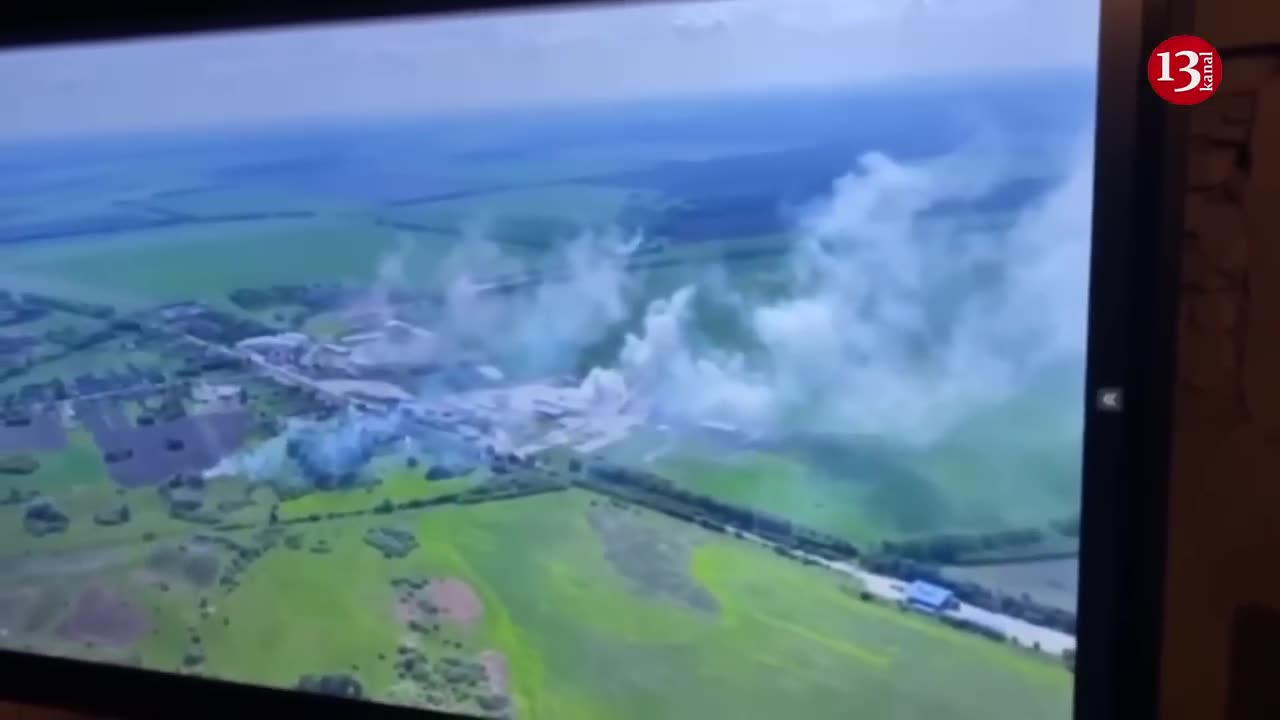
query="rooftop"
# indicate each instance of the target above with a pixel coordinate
(928, 595)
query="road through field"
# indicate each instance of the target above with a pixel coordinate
(1047, 640)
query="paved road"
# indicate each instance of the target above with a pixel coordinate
(281, 375)
(1053, 642)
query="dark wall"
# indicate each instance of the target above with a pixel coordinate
(1225, 494)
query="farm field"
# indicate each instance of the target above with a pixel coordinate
(865, 491)
(706, 610)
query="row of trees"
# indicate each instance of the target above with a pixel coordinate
(505, 489)
(18, 464)
(659, 494)
(955, 548)
(315, 297)
(71, 307)
(509, 489)
(1021, 544)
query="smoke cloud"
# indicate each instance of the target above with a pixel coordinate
(583, 291)
(895, 319)
(898, 323)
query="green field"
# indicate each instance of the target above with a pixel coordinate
(70, 324)
(394, 482)
(788, 639)
(139, 269)
(109, 357)
(76, 466)
(76, 479)
(778, 485)
(1014, 465)
(581, 640)
(342, 243)
(200, 262)
(557, 210)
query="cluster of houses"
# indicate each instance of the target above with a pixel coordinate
(393, 346)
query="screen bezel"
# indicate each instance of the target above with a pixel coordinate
(1132, 310)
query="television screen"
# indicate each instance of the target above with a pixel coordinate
(698, 360)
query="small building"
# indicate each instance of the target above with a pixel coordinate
(929, 598)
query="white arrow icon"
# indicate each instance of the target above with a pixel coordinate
(1110, 400)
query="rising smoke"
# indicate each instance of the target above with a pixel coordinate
(898, 324)
(585, 293)
(896, 321)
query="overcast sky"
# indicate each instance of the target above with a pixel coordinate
(549, 57)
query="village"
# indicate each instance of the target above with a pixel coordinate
(223, 384)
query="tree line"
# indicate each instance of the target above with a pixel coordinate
(1016, 544)
(659, 494)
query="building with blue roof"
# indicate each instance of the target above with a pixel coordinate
(929, 598)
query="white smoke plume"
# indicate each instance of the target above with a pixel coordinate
(898, 324)
(391, 276)
(895, 321)
(579, 292)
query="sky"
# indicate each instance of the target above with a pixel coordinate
(422, 65)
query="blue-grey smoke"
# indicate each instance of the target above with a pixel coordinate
(334, 453)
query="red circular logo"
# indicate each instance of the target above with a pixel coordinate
(1184, 70)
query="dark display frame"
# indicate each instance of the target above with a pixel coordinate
(1137, 227)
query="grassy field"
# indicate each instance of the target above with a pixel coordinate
(779, 485)
(200, 262)
(69, 323)
(144, 268)
(583, 644)
(75, 478)
(108, 357)
(1013, 465)
(572, 204)
(78, 465)
(572, 658)
(582, 641)
(397, 483)
(301, 613)
(342, 242)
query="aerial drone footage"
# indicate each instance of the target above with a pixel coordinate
(669, 361)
